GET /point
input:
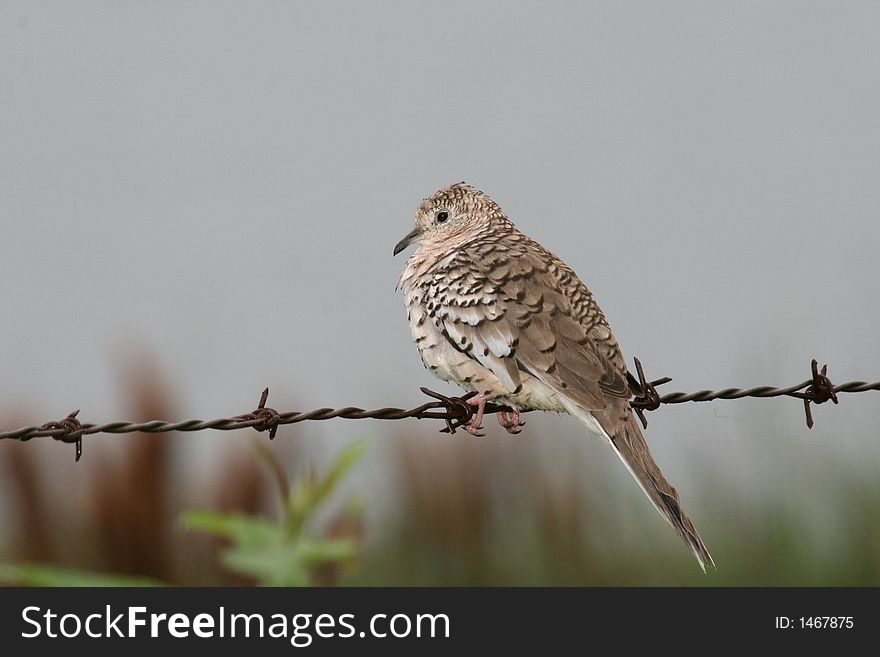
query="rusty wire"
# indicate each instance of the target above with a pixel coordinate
(454, 411)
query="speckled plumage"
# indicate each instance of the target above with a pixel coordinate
(493, 311)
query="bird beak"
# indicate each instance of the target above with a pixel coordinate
(409, 239)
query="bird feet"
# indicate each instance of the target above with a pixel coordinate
(475, 425)
(507, 419)
(510, 421)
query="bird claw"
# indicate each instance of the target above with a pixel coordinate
(475, 426)
(510, 421)
(474, 431)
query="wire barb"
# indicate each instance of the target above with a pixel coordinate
(454, 411)
(67, 430)
(819, 391)
(458, 411)
(646, 396)
(263, 417)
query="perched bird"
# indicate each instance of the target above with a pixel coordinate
(495, 312)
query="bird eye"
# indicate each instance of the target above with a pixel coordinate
(442, 216)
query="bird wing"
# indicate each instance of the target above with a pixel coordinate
(504, 306)
(516, 307)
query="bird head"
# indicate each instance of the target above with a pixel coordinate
(449, 215)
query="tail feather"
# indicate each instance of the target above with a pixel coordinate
(630, 446)
(625, 436)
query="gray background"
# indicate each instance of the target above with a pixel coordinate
(216, 188)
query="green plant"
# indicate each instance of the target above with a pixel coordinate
(282, 552)
(43, 575)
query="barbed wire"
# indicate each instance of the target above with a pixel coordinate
(454, 411)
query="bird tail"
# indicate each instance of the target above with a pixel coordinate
(630, 446)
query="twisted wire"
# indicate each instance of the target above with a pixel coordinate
(454, 411)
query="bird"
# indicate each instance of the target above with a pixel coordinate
(496, 313)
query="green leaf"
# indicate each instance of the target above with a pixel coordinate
(272, 564)
(317, 552)
(41, 575)
(273, 553)
(299, 506)
(277, 470)
(309, 492)
(338, 469)
(237, 527)
(260, 548)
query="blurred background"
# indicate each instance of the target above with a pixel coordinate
(200, 199)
